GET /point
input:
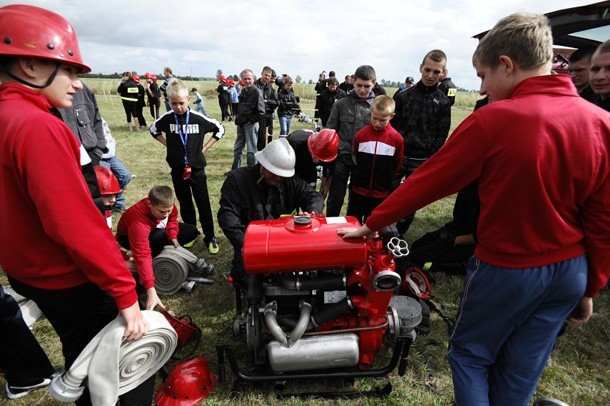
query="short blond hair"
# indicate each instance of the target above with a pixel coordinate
(384, 104)
(177, 88)
(603, 48)
(524, 37)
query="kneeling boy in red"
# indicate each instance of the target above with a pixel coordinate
(378, 151)
(145, 228)
(184, 132)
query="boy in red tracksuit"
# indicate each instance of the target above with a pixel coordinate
(378, 151)
(55, 247)
(145, 228)
(541, 154)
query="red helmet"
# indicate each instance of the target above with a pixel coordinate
(187, 384)
(154, 78)
(148, 75)
(222, 78)
(135, 77)
(324, 145)
(231, 82)
(106, 181)
(34, 31)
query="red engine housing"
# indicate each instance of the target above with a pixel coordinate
(301, 243)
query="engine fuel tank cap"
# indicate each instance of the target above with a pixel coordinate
(302, 220)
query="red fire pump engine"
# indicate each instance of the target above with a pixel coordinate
(318, 306)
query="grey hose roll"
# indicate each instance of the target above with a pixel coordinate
(171, 268)
(113, 366)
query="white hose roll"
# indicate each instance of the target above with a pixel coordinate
(113, 366)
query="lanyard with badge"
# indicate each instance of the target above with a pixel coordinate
(184, 137)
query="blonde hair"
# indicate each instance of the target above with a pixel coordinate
(603, 48)
(287, 80)
(384, 104)
(177, 88)
(524, 37)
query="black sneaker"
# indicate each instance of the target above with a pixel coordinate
(15, 392)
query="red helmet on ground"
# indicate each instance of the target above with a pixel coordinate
(187, 384)
(34, 31)
(324, 145)
(106, 181)
(222, 78)
(135, 77)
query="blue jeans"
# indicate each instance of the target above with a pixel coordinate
(247, 134)
(122, 174)
(285, 125)
(507, 326)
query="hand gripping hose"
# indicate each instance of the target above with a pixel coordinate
(113, 366)
(171, 268)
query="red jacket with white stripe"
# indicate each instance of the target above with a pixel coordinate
(379, 155)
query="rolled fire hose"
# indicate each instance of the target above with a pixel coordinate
(171, 268)
(29, 310)
(113, 366)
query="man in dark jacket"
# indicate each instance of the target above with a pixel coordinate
(348, 116)
(578, 68)
(263, 192)
(250, 110)
(328, 98)
(85, 121)
(265, 85)
(423, 117)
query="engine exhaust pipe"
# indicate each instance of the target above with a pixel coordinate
(324, 314)
(284, 339)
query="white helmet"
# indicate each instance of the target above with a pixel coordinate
(278, 158)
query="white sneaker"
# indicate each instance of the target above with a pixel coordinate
(15, 392)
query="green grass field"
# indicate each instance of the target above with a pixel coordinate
(579, 373)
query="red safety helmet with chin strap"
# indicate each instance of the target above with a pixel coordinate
(135, 77)
(36, 32)
(324, 145)
(106, 181)
(222, 78)
(188, 383)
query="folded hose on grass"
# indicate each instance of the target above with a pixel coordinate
(113, 366)
(172, 266)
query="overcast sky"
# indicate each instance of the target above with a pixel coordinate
(198, 37)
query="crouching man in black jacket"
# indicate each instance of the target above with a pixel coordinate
(263, 192)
